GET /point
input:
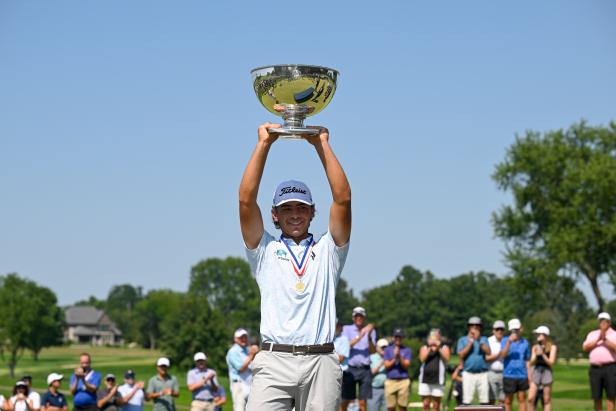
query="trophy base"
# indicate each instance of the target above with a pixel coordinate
(295, 133)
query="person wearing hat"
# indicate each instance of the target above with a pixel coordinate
(83, 385)
(397, 358)
(362, 339)
(434, 357)
(163, 388)
(133, 397)
(495, 362)
(202, 383)
(34, 396)
(473, 349)
(379, 375)
(19, 400)
(109, 399)
(53, 399)
(601, 346)
(542, 359)
(297, 277)
(239, 361)
(515, 352)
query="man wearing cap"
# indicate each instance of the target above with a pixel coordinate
(515, 352)
(109, 399)
(84, 383)
(379, 375)
(362, 338)
(163, 388)
(53, 399)
(239, 361)
(202, 383)
(33, 395)
(133, 397)
(601, 346)
(473, 349)
(495, 373)
(397, 358)
(297, 277)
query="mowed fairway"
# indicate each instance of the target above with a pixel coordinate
(571, 389)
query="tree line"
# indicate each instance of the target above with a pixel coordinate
(560, 226)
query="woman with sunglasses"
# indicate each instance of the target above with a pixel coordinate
(542, 359)
(19, 401)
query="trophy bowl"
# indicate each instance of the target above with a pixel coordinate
(294, 92)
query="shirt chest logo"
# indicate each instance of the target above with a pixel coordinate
(282, 255)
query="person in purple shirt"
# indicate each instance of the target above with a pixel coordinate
(362, 338)
(397, 359)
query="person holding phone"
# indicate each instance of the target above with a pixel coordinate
(515, 353)
(473, 349)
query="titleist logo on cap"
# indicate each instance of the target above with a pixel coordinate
(287, 190)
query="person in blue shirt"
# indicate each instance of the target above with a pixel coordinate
(239, 361)
(84, 384)
(342, 347)
(515, 353)
(397, 360)
(473, 349)
(53, 399)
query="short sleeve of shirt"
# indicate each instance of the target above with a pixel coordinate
(461, 344)
(592, 336)
(484, 340)
(342, 346)
(388, 354)
(95, 379)
(44, 399)
(150, 388)
(407, 354)
(255, 256)
(236, 359)
(339, 255)
(527, 352)
(191, 377)
(221, 391)
(36, 400)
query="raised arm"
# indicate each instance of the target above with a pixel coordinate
(251, 220)
(340, 211)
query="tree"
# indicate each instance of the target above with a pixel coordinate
(563, 216)
(29, 318)
(120, 306)
(230, 289)
(152, 311)
(345, 301)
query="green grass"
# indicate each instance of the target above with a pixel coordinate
(571, 388)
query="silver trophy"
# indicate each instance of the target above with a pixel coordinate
(294, 92)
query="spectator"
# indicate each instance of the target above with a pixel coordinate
(239, 361)
(516, 355)
(495, 373)
(362, 338)
(109, 399)
(34, 396)
(342, 347)
(203, 384)
(20, 401)
(397, 361)
(133, 397)
(84, 383)
(601, 346)
(53, 399)
(434, 357)
(473, 349)
(220, 398)
(542, 359)
(456, 384)
(163, 388)
(379, 374)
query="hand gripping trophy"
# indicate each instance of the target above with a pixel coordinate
(294, 92)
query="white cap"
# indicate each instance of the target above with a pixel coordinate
(498, 324)
(359, 310)
(542, 329)
(514, 324)
(604, 316)
(240, 332)
(21, 384)
(199, 356)
(53, 377)
(382, 343)
(163, 361)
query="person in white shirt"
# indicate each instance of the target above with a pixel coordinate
(297, 276)
(20, 401)
(33, 395)
(495, 362)
(133, 397)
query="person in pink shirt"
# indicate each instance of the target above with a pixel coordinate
(601, 344)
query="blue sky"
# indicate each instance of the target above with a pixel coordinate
(125, 127)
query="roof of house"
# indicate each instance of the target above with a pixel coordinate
(83, 315)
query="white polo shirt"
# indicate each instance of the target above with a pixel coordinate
(290, 314)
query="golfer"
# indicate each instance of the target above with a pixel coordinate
(297, 276)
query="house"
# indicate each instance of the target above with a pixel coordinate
(88, 325)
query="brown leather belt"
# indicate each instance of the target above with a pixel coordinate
(299, 349)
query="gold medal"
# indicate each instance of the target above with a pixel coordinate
(299, 287)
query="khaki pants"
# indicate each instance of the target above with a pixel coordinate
(239, 394)
(197, 405)
(397, 392)
(281, 381)
(472, 382)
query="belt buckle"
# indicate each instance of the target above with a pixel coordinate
(298, 351)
